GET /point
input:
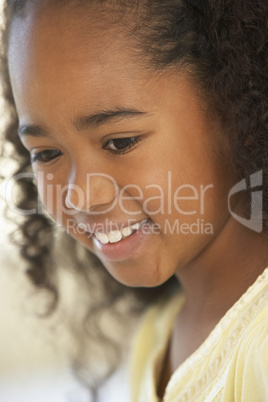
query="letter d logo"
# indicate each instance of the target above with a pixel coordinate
(255, 222)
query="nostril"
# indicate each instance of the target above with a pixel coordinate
(75, 198)
(97, 193)
(68, 203)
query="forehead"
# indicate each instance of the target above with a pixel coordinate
(56, 52)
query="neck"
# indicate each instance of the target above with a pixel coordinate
(212, 284)
(223, 271)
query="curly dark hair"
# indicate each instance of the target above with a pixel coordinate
(223, 45)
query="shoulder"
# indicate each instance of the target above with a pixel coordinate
(251, 371)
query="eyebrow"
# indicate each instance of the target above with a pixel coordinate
(104, 117)
(33, 130)
(82, 123)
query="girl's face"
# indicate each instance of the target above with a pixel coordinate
(116, 147)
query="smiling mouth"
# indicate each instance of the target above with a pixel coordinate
(115, 236)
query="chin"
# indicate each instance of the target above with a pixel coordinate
(141, 279)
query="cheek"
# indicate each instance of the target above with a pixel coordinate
(52, 196)
(170, 193)
(188, 203)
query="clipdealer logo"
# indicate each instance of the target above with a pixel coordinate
(255, 222)
(169, 200)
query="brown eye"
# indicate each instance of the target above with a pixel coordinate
(121, 145)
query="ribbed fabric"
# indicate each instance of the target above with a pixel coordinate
(231, 365)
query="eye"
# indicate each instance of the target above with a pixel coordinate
(45, 156)
(121, 145)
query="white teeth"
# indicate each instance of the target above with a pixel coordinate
(114, 236)
(136, 226)
(97, 235)
(102, 237)
(127, 231)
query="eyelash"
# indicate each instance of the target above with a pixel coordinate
(48, 155)
(132, 142)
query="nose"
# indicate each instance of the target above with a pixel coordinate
(95, 192)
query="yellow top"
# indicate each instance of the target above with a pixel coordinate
(231, 365)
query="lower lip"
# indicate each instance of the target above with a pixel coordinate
(126, 248)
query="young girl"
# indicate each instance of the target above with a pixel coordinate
(146, 126)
